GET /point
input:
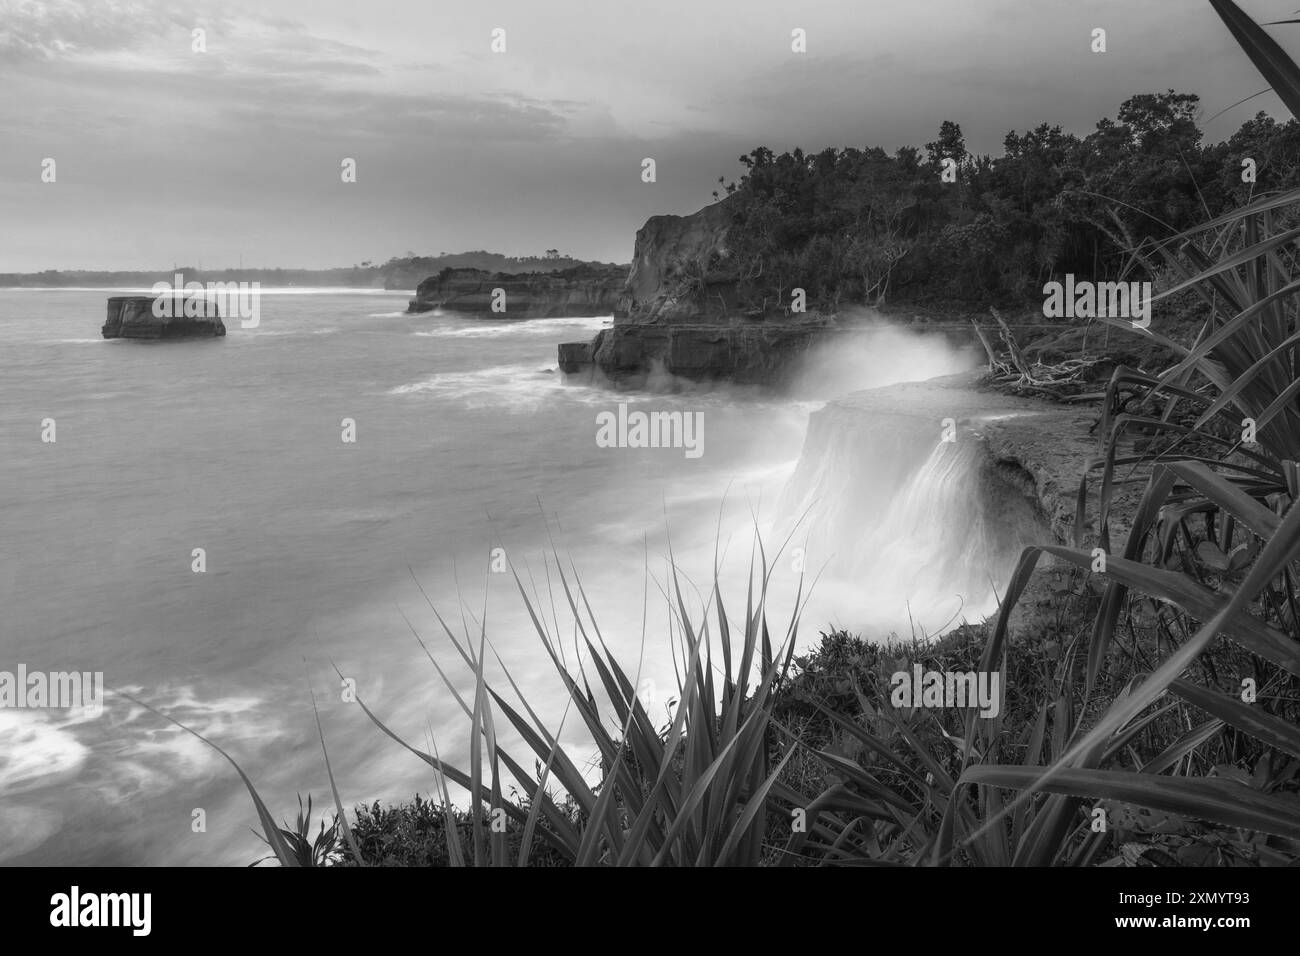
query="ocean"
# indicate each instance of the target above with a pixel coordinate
(321, 555)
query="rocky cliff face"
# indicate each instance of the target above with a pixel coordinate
(753, 354)
(679, 314)
(582, 291)
(674, 265)
(132, 317)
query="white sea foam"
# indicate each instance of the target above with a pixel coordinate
(512, 327)
(516, 388)
(25, 826)
(37, 747)
(127, 752)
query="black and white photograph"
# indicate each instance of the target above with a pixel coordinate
(857, 435)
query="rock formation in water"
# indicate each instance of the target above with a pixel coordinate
(759, 354)
(133, 317)
(581, 291)
(680, 314)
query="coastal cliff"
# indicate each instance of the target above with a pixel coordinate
(581, 291)
(132, 317)
(680, 314)
(679, 268)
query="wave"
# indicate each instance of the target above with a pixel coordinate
(124, 754)
(278, 333)
(24, 827)
(516, 387)
(592, 324)
(36, 748)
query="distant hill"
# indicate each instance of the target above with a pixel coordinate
(64, 278)
(397, 273)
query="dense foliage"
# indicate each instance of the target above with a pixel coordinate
(860, 225)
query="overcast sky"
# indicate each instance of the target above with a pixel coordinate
(169, 156)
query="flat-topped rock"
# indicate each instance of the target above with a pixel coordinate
(134, 317)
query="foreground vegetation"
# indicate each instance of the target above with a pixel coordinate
(876, 784)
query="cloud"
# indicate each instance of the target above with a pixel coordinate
(541, 147)
(137, 34)
(62, 29)
(119, 62)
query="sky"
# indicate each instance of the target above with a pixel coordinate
(168, 155)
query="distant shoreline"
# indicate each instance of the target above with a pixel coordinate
(273, 289)
(397, 274)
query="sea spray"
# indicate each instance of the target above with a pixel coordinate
(909, 533)
(932, 542)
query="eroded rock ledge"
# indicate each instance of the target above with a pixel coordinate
(581, 291)
(750, 355)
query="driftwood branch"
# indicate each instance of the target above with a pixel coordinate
(1060, 381)
(996, 366)
(1013, 350)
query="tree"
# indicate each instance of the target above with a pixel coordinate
(950, 145)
